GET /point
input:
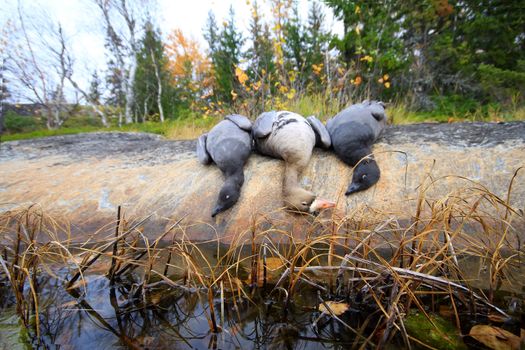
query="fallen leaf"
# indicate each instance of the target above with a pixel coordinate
(274, 268)
(273, 263)
(336, 307)
(495, 338)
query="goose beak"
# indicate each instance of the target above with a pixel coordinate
(352, 189)
(216, 210)
(319, 204)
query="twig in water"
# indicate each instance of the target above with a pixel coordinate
(103, 250)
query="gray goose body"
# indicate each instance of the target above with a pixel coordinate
(228, 144)
(353, 131)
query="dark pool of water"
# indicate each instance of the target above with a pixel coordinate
(116, 316)
(102, 315)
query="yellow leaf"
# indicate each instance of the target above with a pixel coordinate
(283, 89)
(336, 307)
(357, 9)
(234, 95)
(495, 338)
(387, 85)
(367, 58)
(273, 263)
(380, 80)
(385, 77)
(241, 76)
(256, 86)
(358, 80)
(274, 269)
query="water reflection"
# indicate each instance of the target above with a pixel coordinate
(104, 316)
(122, 315)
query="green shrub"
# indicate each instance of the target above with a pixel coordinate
(504, 86)
(15, 123)
(455, 105)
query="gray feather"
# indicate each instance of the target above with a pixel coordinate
(368, 113)
(321, 134)
(241, 121)
(263, 125)
(202, 153)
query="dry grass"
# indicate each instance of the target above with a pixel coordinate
(368, 259)
(189, 129)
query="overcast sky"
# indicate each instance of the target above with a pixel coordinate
(81, 21)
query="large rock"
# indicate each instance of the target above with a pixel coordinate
(81, 179)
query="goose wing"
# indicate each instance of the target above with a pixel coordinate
(241, 121)
(377, 109)
(322, 137)
(263, 124)
(202, 154)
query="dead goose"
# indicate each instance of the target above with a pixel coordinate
(228, 144)
(291, 137)
(353, 131)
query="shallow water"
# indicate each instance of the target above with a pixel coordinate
(106, 318)
(101, 315)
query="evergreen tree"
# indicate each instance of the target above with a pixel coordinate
(317, 38)
(316, 43)
(225, 51)
(115, 86)
(262, 68)
(94, 93)
(371, 47)
(294, 46)
(151, 70)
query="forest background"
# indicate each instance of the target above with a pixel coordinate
(429, 60)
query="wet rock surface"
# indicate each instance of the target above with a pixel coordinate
(82, 179)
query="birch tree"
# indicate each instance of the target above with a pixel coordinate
(3, 92)
(123, 20)
(3, 87)
(38, 64)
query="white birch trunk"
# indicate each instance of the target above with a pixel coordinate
(92, 103)
(2, 97)
(130, 94)
(101, 114)
(159, 84)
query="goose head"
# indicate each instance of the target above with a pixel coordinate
(366, 174)
(228, 196)
(305, 201)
